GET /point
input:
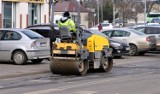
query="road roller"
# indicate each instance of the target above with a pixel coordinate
(77, 56)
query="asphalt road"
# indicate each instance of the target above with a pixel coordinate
(131, 75)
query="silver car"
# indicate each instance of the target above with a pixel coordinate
(139, 42)
(150, 30)
(21, 45)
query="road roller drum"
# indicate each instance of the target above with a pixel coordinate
(69, 66)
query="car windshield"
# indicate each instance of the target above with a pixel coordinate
(153, 15)
(137, 32)
(95, 32)
(31, 34)
(106, 24)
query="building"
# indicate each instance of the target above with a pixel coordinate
(72, 7)
(22, 13)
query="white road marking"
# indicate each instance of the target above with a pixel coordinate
(46, 91)
(45, 81)
(43, 91)
(1, 86)
(84, 92)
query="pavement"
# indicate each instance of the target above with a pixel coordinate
(10, 70)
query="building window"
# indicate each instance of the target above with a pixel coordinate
(34, 13)
(75, 18)
(7, 14)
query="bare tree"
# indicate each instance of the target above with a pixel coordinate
(124, 8)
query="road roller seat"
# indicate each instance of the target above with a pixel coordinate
(65, 34)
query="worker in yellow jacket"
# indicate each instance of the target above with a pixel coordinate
(67, 21)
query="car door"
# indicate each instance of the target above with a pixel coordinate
(120, 35)
(8, 44)
(1, 35)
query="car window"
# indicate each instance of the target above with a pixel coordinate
(1, 34)
(142, 30)
(43, 32)
(137, 32)
(152, 30)
(11, 35)
(120, 33)
(31, 34)
(108, 33)
(105, 24)
(139, 28)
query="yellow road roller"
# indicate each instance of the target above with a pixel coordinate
(88, 51)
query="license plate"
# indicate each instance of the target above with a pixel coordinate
(127, 48)
(43, 44)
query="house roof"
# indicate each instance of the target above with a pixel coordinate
(70, 6)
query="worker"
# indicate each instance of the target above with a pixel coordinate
(100, 28)
(67, 21)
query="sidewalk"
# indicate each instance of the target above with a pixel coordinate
(9, 70)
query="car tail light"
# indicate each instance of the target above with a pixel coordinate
(34, 44)
(148, 39)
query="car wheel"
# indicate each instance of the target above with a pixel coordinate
(106, 64)
(83, 67)
(133, 50)
(19, 57)
(37, 60)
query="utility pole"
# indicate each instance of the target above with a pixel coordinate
(52, 33)
(145, 10)
(102, 9)
(113, 2)
(98, 11)
(78, 29)
(78, 12)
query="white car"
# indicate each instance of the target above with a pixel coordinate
(21, 45)
(105, 26)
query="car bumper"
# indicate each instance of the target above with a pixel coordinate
(147, 47)
(158, 47)
(119, 52)
(38, 54)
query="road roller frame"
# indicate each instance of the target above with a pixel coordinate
(77, 58)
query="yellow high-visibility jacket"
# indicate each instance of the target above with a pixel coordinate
(67, 22)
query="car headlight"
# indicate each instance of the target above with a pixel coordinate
(117, 45)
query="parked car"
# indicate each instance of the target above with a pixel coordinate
(119, 22)
(105, 26)
(119, 48)
(155, 20)
(139, 42)
(43, 29)
(151, 30)
(21, 45)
